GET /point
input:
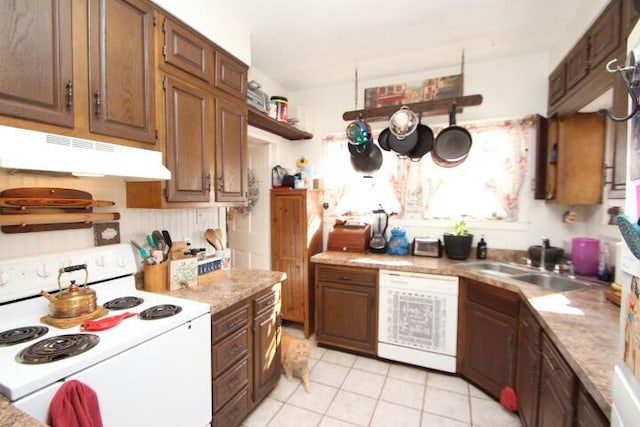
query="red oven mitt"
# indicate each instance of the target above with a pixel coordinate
(106, 323)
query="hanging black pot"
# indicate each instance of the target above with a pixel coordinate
(369, 161)
(424, 144)
(452, 144)
(383, 139)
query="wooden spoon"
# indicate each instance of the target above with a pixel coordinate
(212, 238)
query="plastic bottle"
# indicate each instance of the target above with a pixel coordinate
(481, 250)
(603, 261)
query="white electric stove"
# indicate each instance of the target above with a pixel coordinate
(144, 372)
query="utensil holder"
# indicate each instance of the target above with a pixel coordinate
(155, 277)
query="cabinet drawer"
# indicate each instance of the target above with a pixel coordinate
(360, 276)
(266, 302)
(232, 414)
(230, 383)
(498, 299)
(229, 351)
(228, 323)
(559, 371)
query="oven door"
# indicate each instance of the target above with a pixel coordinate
(418, 319)
(165, 381)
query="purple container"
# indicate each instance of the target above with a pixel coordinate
(584, 255)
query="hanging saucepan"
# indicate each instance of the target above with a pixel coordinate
(452, 144)
(425, 142)
(402, 125)
(383, 139)
(368, 160)
(358, 132)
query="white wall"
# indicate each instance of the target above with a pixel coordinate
(511, 88)
(214, 20)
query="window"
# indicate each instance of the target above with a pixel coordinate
(485, 186)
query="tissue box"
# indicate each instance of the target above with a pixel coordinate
(183, 273)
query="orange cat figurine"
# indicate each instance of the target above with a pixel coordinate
(295, 358)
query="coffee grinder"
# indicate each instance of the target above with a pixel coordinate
(378, 242)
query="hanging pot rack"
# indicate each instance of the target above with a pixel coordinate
(427, 108)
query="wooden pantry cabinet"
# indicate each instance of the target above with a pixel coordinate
(245, 356)
(37, 66)
(296, 235)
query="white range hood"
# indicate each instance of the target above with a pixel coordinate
(22, 149)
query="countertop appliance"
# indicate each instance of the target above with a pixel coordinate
(427, 246)
(625, 410)
(145, 371)
(418, 319)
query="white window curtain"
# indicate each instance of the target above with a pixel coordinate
(485, 186)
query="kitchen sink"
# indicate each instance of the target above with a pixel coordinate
(498, 268)
(554, 283)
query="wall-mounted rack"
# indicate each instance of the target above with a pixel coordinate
(24, 210)
(428, 108)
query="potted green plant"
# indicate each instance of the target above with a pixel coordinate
(457, 243)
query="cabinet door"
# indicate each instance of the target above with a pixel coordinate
(604, 35)
(186, 50)
(36, 66)
(188, 133)
(577, 63)
(347, 316)
(588, 414)
(121, 69)
(231, 75)
(489, 348)
(293, 289)
(231, 151)
(556, 389)
(629, 19)
(557, 84)
(266, 351)
(528, 372)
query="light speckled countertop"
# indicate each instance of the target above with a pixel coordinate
(582, 324)
(224, 289)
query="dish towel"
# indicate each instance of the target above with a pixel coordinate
(75, 405)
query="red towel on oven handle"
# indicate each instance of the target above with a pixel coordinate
(75, 405)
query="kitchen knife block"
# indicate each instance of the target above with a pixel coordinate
(155, 277)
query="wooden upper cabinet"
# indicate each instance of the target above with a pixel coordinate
(628, 19)
(186, 50)
(231, 150)
(188, 136)
(604, 36)
(36, 66)
(577, 63)
(121, 69)
(231, 75)
(557, 84)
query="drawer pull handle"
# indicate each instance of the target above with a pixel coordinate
(233, 414)
(98, 107)
(69, 95)
(235, 322)
(235, 350)
(233, 383)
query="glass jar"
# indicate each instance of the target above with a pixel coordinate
(398, 243)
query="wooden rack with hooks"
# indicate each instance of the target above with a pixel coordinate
(24, 210)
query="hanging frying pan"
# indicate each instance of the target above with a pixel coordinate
(452, 144)
(425, 143)
(383, 139)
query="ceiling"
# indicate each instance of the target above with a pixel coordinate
(303, 44)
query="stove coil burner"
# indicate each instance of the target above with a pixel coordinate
(22, 334)
(123, 303)
(160, 311)
(57, 348)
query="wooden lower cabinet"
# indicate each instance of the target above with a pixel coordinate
(245, 356)
(556, 388)
(528, 373)
(347, 308)
(488, 327)
(587, 412)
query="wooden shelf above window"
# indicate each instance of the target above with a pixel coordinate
(260, 120)
(429, 108)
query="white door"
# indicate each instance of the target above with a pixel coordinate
(250, 232)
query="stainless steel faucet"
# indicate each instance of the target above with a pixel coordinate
(543, 249)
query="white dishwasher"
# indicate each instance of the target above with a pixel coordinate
(418, 319)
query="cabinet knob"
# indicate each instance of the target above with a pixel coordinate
(69, 95)
(98, 97)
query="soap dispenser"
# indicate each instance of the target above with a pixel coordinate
(481, 250)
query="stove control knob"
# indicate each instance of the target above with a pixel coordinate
(122, 262)
(100, 261)
(44, 271)
(4, 277)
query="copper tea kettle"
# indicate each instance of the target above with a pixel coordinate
(75, 300)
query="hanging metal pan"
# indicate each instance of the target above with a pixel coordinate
(383, 139)
(425, 143)
(452, 144)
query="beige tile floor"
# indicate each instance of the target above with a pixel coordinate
(349, 390)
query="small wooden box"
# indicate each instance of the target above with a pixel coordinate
(349, 239)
